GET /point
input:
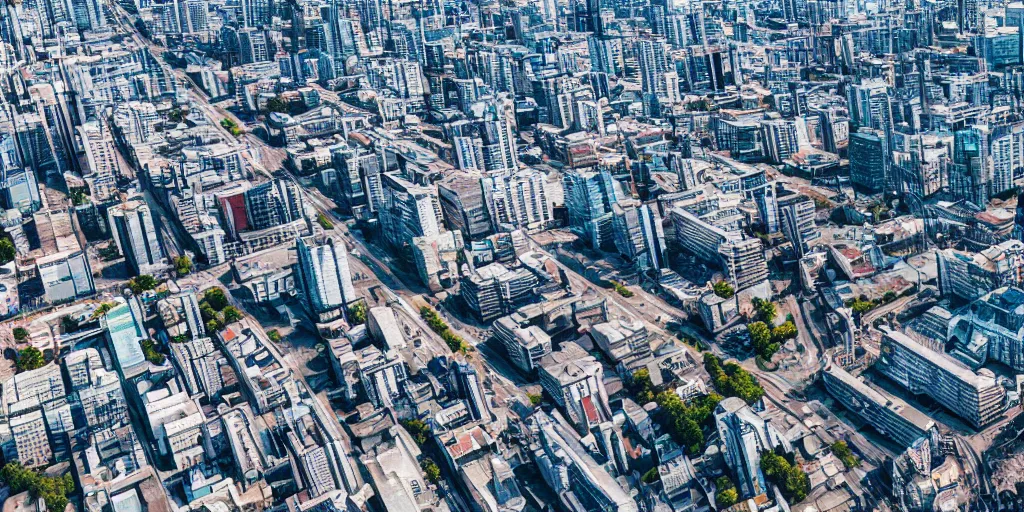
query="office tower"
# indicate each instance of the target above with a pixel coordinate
(256, 13)
(408, 211)
(639, 236)
(326, 281)
(796, 214)
(575, 380)
(253, 46)
(1007, 149)
(780, 139)
(88, 14)
(650, 55)
(524, 344)
(744, 262)
(975, 397)
(890, 416)
(970, 172)
(989, 330)
(495, 290)
(136, 121)
(589, 196)
(967, 276)
(272, 204)
(468, 387)
(869, 162)
(870, 106)
(744, 435)
(571, 472)
(462, 201)
(131, 224)
(624, 341)
(192, 16)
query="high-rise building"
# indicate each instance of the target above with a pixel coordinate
(869, 161)
(408, 211)
(494, 290)
(136, 237)
(589, 196)
(468, 387)
(639, 236)
(101, 160)
(517, 200)
(975, 397)
(462, 202)
(796, 214)
(253, 45)
(744, 435)
(970, 172)
(326, 281)
(624, 341)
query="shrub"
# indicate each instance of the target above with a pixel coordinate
(324, 222)
(723, 289)
(20, 334)
(651, 476)
(274, 335)
(151, 353)
(183, 265)
(142, 283)
(30, 358)
(430, 470)
(357, 313)
(845, 454)
(417, 429)
(535, 399)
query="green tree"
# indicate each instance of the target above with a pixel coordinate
(723, 289)
(7, 252)
(535, 399)
(417, 429)
(30, 358)
(277, 104)
(231, 315)
(760, 336)
(183, 265)
(20, 334)
(765, 311)
(691, 435)
(357, 314)
(794, 483)
(430, 470)
(845, 454)
(784, 332)
(142, 283)
(152, 354)
(732, 380)
(214, 325)
(216, 298)
(274, 335)
(726, 495)
(69, 324)
(651, 476)
(103, 309)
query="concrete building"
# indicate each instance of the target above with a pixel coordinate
(990, 330)
(891, 417)
(495, 290)
(575, 380)
(437, 259)
(744, 435)
(525, 345)
(624, 341)
(968, 275)
(580, 483)
(382, 375)
(975, 397)
(136, 237)
(65, 275)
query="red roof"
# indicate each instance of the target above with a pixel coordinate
(590, 410)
